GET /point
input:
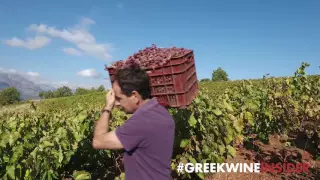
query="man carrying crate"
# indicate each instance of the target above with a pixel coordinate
(147, 136)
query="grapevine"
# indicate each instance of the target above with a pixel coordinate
(53, 140)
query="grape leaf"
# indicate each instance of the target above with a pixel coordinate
(192, 121)
(184, 143)
(217, 112)
(249, 117)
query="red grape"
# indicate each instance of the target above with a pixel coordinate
(151, 57)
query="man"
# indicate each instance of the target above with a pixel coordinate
(147, 137)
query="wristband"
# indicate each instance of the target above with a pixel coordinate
(106, 110)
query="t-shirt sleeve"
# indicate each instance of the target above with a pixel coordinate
(131, 133)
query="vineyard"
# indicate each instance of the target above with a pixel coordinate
(52, 140)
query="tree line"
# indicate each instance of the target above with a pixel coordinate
(66, 91)
(11, 95)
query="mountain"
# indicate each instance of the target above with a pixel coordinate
(46, 87)
(3, 85)
(27, 88)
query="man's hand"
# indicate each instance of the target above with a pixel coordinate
(110, 99)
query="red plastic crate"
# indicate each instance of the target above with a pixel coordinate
(174, 84)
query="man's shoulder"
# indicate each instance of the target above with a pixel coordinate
(153, 110)
(153, 107)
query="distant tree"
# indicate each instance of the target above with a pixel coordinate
(48, 94)
(80, 91)
(9, 95)
(219, 75)
(92, 90)
(63, 92)
(204, 80)
(101, 88)
(42, 95)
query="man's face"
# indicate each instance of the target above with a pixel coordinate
(127, 104)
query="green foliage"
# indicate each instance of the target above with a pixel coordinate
(41, 95)
(81, 175)
(279, 105)
(9, 95)
(219, 75)
(216, 88)
(54, 140)
(63, 92)
(46, 95)
(53, 144)
(205, 80)
(66, 92)
(100, 89)
(86, 100)
(36, 145)
(81, 91)
(204, 133)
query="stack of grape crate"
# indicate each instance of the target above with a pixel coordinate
(172, 72)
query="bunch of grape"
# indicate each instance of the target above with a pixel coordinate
(117, 64)
(151, 57)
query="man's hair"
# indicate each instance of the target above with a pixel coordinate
(133, 79)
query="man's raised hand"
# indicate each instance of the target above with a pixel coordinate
(110, 99)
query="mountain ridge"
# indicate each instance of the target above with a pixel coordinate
(27, 88)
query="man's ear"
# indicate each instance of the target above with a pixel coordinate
(135, 96)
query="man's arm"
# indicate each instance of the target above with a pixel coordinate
(102, 139)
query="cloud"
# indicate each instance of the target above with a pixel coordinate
(78, 35)
(72, 51)
(95, 50)
(3, 70)
(30, 43)
(30, 75)
(89, 73)
(74, 35)
(85, 22)
(33, 74)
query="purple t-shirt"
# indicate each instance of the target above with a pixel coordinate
(148, 138)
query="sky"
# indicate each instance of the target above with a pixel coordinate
(70, 42)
